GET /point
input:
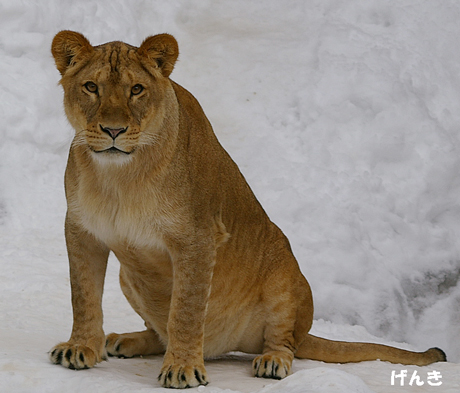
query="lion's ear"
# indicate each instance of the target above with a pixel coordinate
(162, 50)
(68, 48)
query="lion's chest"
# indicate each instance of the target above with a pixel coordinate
(119, 216)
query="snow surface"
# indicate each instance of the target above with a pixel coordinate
(343, 116)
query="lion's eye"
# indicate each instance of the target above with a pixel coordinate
(91, 87)
(137, 89)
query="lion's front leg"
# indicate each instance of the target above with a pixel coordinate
(183, 364)
(88, 262)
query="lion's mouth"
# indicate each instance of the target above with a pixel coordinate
(112, 150)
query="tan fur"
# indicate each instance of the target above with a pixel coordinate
(200, 260)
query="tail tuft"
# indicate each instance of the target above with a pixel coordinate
(440, 354)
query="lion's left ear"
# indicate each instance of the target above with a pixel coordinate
(162, 49)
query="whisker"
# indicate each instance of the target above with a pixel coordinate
(79, 139)
(151, 139)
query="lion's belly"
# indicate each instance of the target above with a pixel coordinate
(232, 327)
(232, 319)
(146, 281)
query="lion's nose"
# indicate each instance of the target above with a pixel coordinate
(113, 132)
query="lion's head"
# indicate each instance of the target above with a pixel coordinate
(116, 95)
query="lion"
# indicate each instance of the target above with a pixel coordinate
(200, 261)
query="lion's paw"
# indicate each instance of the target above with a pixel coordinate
(183, 376)
(122, 345)
(75, 356)
(276, 365)
(115, 345)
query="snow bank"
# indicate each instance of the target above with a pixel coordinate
(342, 115)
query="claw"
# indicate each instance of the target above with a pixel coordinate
(276, 365)
(180, 377)
(74, 356)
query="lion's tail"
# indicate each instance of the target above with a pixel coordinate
(316, 348)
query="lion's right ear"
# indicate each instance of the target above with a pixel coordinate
(68, 48)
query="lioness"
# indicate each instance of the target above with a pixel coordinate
(200, 261)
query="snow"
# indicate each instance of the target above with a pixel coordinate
(343, 116)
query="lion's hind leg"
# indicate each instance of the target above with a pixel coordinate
(289, 313)
(279, 344)
(128, 345)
